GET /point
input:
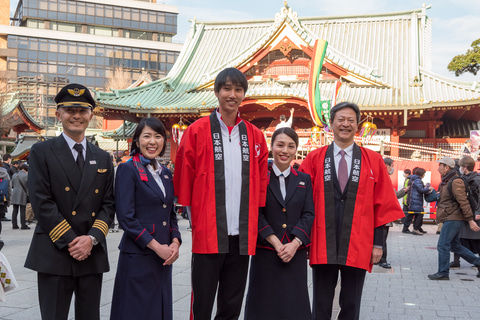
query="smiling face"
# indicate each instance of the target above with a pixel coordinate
(150, 143)
(283, 150)
(74, 120)
(344, 126)
(230, 96)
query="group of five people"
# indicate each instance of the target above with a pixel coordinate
(336, 205)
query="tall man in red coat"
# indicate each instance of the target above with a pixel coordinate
(221, 173)
(354, 199)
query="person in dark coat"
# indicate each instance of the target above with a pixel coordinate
(70, 184)
(278, 271)
(417, 192)
(14, 168)
(468, 238)
(7, 159)
(151, 240)
(4, 199)
(19, 196)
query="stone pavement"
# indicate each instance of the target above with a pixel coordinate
(403, 292)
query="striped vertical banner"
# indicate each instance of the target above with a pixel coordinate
(338, 84)
(314, 98)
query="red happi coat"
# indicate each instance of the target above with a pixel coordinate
(194, 182)
(375, 205)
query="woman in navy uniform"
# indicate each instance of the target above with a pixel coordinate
(278, 271)
(145, 211)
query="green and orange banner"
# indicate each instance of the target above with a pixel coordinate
(319, 109)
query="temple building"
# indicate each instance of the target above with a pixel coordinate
(14, 120)
(381, 62)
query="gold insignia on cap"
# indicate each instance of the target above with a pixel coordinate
(76, 92)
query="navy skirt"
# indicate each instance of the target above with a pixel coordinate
(143, 288)
(278, 290)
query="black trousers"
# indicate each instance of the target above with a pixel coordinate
(228, 272)
(3, 209)
(55, 295)
(15, 215)
(385, 236)
(325, 278)
(417, 223)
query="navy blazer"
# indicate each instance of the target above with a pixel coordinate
(143, 212)
(289, 218)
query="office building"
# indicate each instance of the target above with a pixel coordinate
(51, 43)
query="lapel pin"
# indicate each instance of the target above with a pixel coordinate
(301, 183)
(93, 162)
(165, 176)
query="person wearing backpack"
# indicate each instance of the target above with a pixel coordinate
(417, 192)
(5, 193)
(468, 238)
(7, 159)
(454, 211)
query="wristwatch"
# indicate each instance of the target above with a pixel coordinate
(94, 240)
(299, 241)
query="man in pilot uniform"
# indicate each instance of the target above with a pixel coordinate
(70, 183)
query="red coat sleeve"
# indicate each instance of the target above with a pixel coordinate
(185, 164)
(263, 168)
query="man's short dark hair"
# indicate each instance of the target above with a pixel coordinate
(156, 126)
(388, 161)
(7, 156)
(407, 171)
(235, 76)
(467, 162)
(282, 117)
(16, 162)
(343, 105)
(23, 166)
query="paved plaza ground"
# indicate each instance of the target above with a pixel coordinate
(401, 293)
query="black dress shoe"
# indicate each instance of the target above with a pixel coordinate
(385, 265)
(25, 228)
(5, 219)
(422, 231)
(15, 227)
(438, 276)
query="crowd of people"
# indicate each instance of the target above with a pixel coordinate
(252, 220)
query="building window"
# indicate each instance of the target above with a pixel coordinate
(81, 8)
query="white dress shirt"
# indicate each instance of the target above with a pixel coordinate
(281, 178)
(348, 157)
(71, 143)
(156, 175)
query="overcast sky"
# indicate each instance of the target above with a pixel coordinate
(456, 23)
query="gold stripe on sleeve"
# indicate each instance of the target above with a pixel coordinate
(59, 230)
(102, 226)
